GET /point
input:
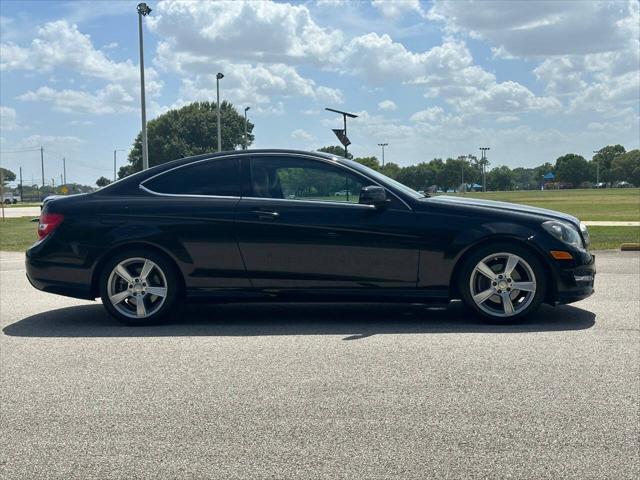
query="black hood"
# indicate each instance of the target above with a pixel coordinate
(504, 206)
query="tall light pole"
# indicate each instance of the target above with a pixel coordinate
(483, 162)
(597, 169)
(463, 160)
(114, 161)
(219, 77)
(383, 145)
(64, 170)
(143, 11)
(245, 127)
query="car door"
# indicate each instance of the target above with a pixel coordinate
(300, 226)
(193, 213)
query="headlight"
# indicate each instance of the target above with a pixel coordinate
(564, 232)
(585, 234)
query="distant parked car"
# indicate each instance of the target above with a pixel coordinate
(10, 199)
(342, 193)
(220, 227)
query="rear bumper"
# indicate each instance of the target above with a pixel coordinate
(56, 274)
(576, 281)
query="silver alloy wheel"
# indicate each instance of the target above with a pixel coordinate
(137, 288)
(502, 284)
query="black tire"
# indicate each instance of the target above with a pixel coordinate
(168, 275)
(523, 304)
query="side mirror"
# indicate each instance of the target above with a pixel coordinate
(373, 195)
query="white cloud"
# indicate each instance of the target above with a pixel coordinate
(388, 105)
(247, 84)
(62, 142)
(257, 45)
(396, 8)
(300, 134)
(432, 114)
(7, 118)
(59, 45)
(111, 99)
(84, 123)
(535, 29)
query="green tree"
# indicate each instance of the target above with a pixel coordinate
(391, 169)
(8, 175)
(605, 158)
(371, 162)
(626, 167)
(573, 169)
(103, 182)
(500, 178)
(190, 130)
(335, 150)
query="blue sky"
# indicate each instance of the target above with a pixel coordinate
(531, 80)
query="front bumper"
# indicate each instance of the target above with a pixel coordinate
(575, 281)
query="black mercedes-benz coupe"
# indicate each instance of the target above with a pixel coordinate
(282, 225)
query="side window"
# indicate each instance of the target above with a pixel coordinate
(300, 179)
(214, 177)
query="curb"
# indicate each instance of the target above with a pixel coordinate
(630, 247)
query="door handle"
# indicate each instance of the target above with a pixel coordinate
(266, 214)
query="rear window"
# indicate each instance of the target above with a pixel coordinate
(214, 177)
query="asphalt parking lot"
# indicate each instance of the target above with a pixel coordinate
(321, 391)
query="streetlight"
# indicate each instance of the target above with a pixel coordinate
(219, 76)
(462, 159)
(114, 161)
(483, 162)
(383, 145)
(143, 11)
(342, 133)
(245, 127)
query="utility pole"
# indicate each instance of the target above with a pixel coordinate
(219, 76)
(21, 192)
(597, 169)
(53, 186)
(483, 161)
(383, 145)
(42, 164)
(143, 11)
(64, 170)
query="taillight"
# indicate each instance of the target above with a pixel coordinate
(48, 223)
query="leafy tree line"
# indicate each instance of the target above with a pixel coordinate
(615, 164)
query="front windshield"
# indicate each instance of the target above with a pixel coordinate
(384, 179)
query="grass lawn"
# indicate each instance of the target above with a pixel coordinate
(615, 204)
(17, 234)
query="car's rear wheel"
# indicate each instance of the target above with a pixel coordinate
(139, 287)
(503, 283)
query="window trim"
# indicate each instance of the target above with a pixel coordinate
(249, 155)
(144, 188)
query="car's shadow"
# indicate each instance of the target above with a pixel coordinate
(354, 321)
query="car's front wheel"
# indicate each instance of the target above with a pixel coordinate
(503, 283)
(139, 287)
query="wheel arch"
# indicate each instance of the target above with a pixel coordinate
(550, 278)
(97, 270)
